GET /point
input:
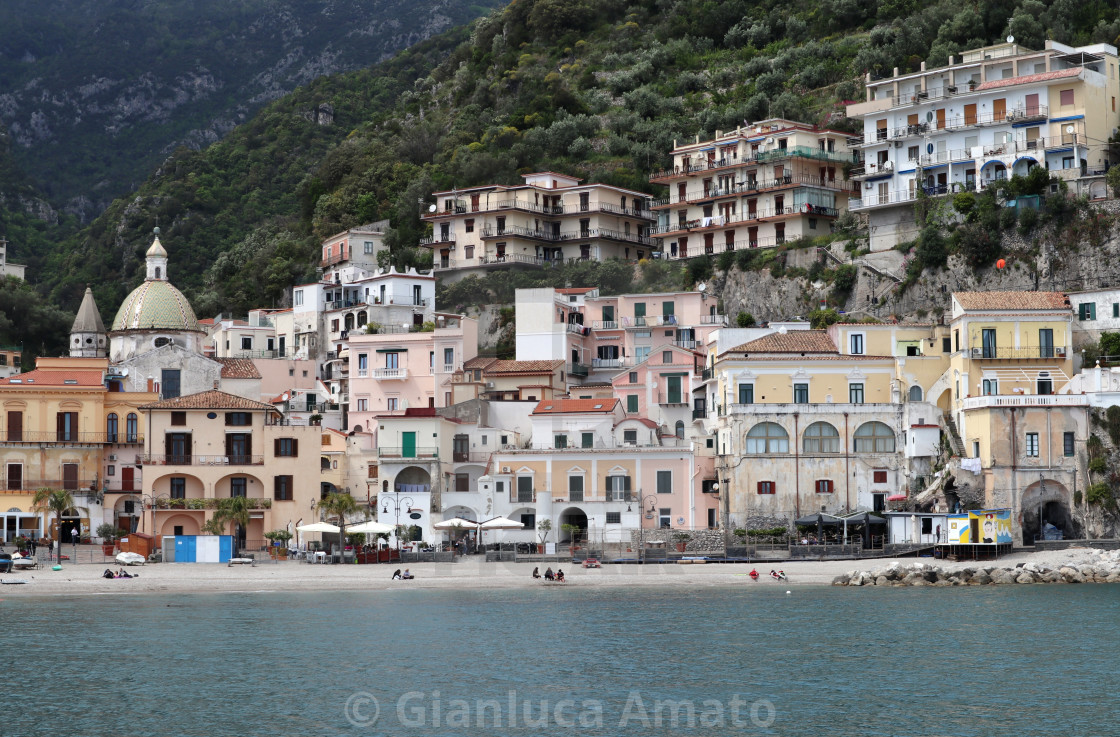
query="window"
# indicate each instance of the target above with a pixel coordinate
(746, 394)
(915, 393)
(1046, 343)
(587, 440)
(468, 225)
(1045, 384)
(391, 404)
(286, 447)
(873, 437)
(1065, 97)
(801, 393)
(766, 487)
(448, 356)
(367, 247)
(111, 428)
(879, 476)
(298, 299)
(856, 343)
(1032, 445)
(246, 343)
(560, 441)
(631, 402)
(238, 486)
(178, 487)
(1067, 444)
(504, 439)
(1087, 311)
(238, 418)
(362, 405)
(282, 488)
(946, 345)
(66, 424)
(618, 488)
(110, 470)
(767, 437)
(630, 437)
(130, 428)
(988, 338)
(633, 377)
(989, 387)
(824, 486)
(334, 326)
(664, 518)
(666, 356)
(178, 418)
(664, 482)
(855, 393)
(614, 518)
(641, 352)
(821, 437)
(363, 363)
(575, 488)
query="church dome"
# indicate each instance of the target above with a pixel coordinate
(155, 305)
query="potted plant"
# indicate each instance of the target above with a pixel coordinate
(315, 419)
(543, 527)
(279, 539)
(109, 535)
(571, 531)
(682, 539)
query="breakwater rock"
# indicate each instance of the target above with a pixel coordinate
(1104, 569)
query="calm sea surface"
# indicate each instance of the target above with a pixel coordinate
(565, 661)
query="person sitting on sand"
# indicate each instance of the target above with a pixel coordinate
(559, 574)
(122, 573)
(397, 575)
(407, 576)
(536, 573)
(549, 575)
(107, 574)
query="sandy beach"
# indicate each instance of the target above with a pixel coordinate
(85, 578)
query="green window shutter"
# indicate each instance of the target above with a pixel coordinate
(664, 482)
(1116, 309)
(631, 402)
(588, 440)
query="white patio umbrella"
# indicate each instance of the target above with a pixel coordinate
(455, 523)
(318, 527)
(501, 523)
(371, 527)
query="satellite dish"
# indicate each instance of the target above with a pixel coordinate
(1010, 39)
(431, 208)
(700, 287)
(1070, 129)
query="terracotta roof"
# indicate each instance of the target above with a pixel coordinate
(996, 84)
(574, 290)
(479, 362)
(39, 377)
(212, 399)
(238, 368)
(565, 406)
(1012, 300)
(794, 341)
(524, 367)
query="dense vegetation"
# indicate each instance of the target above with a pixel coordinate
(599, 89)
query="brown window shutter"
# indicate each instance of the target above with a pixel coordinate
(229, 445)
(275, 487)
(759, 489)
(276, 446)
(295, 447)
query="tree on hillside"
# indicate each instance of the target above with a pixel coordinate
(28, 320)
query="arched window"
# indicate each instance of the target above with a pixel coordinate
(324, 464)
(111, 428)
(873, 437)
(157, 272)
(680, 429)
(767, 437)
(130, 428)
(362, 319)
(915, 393)
(821, 437)
(160, 342)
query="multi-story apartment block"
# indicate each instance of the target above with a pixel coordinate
(355, 247)
(485, 377)
(758, 186)
(993, 113)
(600, 336)
(551, 218)
(660, 389)
(11, 360)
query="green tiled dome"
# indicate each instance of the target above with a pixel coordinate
(155, 305)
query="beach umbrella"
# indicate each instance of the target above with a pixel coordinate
(501, 523)
(455, 523)
(371, 527)
(318, 527)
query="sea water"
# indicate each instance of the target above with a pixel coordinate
(1020, 660)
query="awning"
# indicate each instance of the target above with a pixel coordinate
(391, 350)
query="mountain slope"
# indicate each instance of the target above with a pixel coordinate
(96, 94)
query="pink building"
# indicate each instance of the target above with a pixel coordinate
(660, 389)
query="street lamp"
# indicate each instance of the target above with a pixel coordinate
(397, 504)
(649, 513)
(151, 501)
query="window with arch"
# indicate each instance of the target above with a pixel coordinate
(767, 437)
(111, 428)
(873, 437)
(821, 437)
(679, 429)
(161, 342)
(131, 428)
(915, 393)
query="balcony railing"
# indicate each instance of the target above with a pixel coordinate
(55, 436)
(472, 456)
(286, 353)
(769, 241)
(1026, 400)
(553, 236)
(389, 373)
(551, 210)
(690, 344)
(399, 452)
(208, 503)
(201, 460)
(699, 414)
(749, 186)
(575, 328)
(1034, 352)
(577, 369)
(438, 238)
(35, 484)
(606, 324)
(672, 401)
(762, 157)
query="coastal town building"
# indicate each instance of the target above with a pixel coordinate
(989, 114)
(758, 186)
(6, 267)
(551, 218)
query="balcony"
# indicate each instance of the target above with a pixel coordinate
(668, 400)
(750, 186)
(1029, 352)
(649, 321)
(769, 241)
(438, 239)
(575, 328)
(577, 369)
(32, 485)
(762, 157)
(884, 409)
(606, 324)
(66, 437)
(407, 453)
(556, 236)
(388, 373)
(199, 460)
(690, 344)
(608, 363)
(699, 414)
(473, 456)
(993, 401)
(713, 320)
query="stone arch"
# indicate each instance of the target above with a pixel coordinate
(1045, 501)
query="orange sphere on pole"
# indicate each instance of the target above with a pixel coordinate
(1000, 264)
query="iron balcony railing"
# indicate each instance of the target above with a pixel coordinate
(1001, 352)
(201, 460)
(399, 452)
(60, 436)
(10, 484)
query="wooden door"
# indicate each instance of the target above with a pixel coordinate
(15, 476)
(15, 426)
(940, 118)
(999, 110)
(970, 114)
(1032, 105)
(128, 478)
(408, 444)
(70, 476)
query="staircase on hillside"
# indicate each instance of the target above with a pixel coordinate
(955, 441)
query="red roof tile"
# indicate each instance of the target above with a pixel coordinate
(212, 399)
(523, 367)
(1012, 300)
(794, 341)
(1029, 79)
(238, 368)
(565, 406)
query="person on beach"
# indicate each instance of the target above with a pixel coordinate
(107, 574)
(549, 575)
(34, 546)
(559, 574)
(536, 573)
(406, 575)
(397, 575)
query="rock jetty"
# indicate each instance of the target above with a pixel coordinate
(1104, 569)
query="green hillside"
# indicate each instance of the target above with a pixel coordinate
(599, 89)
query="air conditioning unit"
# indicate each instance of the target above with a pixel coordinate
(113, 457)
(898, 144)
(977, 352)
(505, 469)
(1060, 351)
(489, 385)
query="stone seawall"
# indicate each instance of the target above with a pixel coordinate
(1106, 569)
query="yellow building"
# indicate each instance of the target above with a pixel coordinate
(206, 447)
(64, 428)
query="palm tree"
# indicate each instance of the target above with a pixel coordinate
(234, 512)
(53, 501)
(339, 505)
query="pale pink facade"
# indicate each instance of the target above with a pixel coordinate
(660, 389)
